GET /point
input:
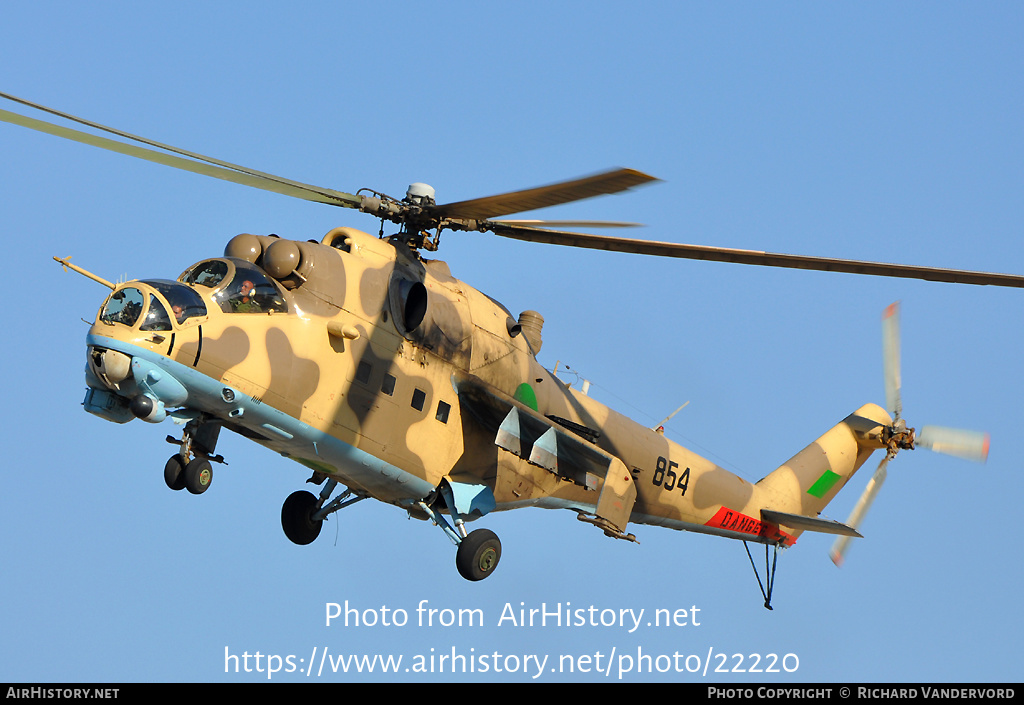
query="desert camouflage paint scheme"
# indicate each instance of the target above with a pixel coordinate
(379, 370)
(376, 369)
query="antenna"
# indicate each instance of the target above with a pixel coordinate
(660, 428)
(585, 383)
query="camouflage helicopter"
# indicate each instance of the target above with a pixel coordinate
(376, 369)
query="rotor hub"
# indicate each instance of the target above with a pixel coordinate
(898, 437)
(420, 194)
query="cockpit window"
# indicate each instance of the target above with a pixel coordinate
(241, 287)
(185, 302)
(156, 316)
(124, 307)
(209, 274)
(250, 290)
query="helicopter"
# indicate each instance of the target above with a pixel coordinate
(372, 366)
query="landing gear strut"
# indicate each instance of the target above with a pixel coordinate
(190, 468)
(303, 514)
(478, 551)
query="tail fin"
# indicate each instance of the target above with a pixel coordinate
(808, 481)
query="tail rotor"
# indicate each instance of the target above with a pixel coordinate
(970, 445)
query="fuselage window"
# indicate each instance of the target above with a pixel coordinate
(419, 398)
(363, 372)
(442, 411)
(388, 385)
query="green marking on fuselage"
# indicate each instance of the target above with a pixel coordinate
(823, 484)
(525, 394)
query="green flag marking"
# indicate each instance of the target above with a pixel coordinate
(823, 484)
(525, 394)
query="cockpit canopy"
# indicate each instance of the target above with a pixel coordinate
(240, 286)
(126, 306)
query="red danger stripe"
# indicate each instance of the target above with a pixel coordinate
(732, 520)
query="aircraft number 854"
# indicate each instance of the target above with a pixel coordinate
(665, 476)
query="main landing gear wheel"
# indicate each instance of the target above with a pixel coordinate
(478, 554)
(297, 517)
(198, 475)
(174, 473)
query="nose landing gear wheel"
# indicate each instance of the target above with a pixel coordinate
(198, 475)
(478, 554)
(297, 517)
(174, 473)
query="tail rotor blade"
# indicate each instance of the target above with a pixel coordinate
(891, 359)
(970, 445)
(859, 511)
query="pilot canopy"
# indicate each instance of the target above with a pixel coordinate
(239, 286)
(136, 302)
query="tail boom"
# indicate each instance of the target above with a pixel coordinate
(793, 495)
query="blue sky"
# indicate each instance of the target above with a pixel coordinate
(865, 132)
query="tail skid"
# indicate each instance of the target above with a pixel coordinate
(797, 492)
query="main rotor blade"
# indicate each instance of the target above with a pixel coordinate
(891, 359)
(970, 445)
(547, 224)
(544, 196)
(754, 257)
(859, 511)
(195, 163)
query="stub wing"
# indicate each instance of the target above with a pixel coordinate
(550, 444)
